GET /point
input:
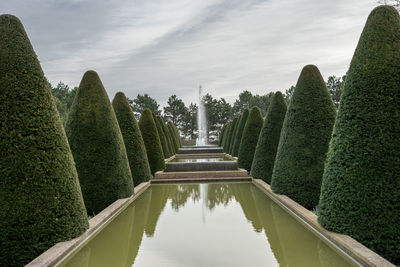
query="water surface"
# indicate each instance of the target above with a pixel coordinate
(200, 159)
(229, 224)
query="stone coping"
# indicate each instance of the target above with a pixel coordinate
(347, 245)
(204, 155)
(201, 180)
(60, 251)
(200, 174)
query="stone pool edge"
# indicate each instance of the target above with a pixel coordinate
(347, 244)
(57, 253)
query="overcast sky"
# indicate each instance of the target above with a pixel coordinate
(165, 47)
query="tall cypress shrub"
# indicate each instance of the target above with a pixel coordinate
(97, 146)
(173, 136)
(226, 136)
(178, 136)
(234, 133)
(238, 136)
(264, 157)
(152, 142)
(361, 185)
(231, 135)
(250, 135)
(221, 135)
(134, 145)
(163, 139)
(167, 137)
(304, 140)
(40, 196)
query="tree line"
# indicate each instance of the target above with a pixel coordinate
(218, 111)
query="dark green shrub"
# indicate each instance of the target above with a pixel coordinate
(173, 136)
(249, 138)
(134, 145)
(225, 136)
(167, 137)
(98, 147)
(229, 137)
(234, 132)
(40, 196)
(152, 142)
(361, 186)
(163, 139)
(238, 136)
(264, 157)
(221, 135)
(304, 140)
(178, 136)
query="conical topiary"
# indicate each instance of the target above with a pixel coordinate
(167, 137)
(221, 135)
(249, 138)
(264, 157)
(133, 140)
(40, 196)
(238, 137)
(230, 136)
(178, 137)
(304, 140)
(152, 142)
(226, 137)
(163, 139)
(97, 145)
(234, 132)
(173, 136)
(361, 186)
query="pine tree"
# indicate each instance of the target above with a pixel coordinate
(40, 195)
(98, 146)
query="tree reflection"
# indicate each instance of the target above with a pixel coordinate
(179, 194)
(218, 194)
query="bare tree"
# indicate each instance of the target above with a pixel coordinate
(394, 3)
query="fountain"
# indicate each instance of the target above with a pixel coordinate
(201, 122)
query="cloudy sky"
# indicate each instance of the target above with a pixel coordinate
(165, 47)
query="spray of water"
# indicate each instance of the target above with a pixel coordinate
(201, 122)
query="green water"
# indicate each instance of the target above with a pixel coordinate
(200, 159)
(230, 224)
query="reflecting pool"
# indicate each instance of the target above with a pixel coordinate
(200, 159)
(215, 224)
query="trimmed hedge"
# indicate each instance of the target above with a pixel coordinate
(167, 136)
(238, 136)
(173, 136)
(221, 135)
(250, 135)
(361, 185)
(178, 136)
(231, 135)
(234, 133)
(97, 145)
(264, 157)
(40, 196)
(152, 142)
(304, 140)
(226, 136)
(163, 139)
(134, 145)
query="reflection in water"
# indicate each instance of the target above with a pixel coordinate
(244, 228)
